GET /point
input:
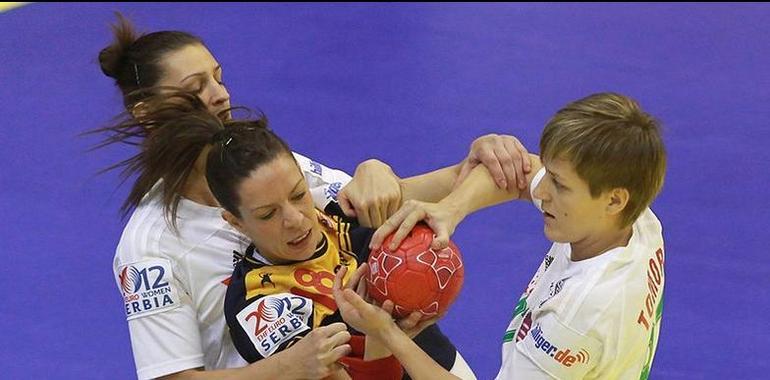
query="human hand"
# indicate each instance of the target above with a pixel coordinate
(504, 156)
(359, 314)
(372, 195)
(315, 356)
(442, 218)
(413, 324)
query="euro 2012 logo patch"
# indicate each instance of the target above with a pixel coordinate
(146, 287)
(275, 320)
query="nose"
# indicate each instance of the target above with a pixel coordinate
(292, 217)
(541, 191)
(219, 98)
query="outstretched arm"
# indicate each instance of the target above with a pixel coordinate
(375, 192)
(315, 356)
(476, 192)
(379, 327)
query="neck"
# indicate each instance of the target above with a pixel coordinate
(197, 190)
(588, 248)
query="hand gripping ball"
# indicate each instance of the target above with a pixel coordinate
(414, 276)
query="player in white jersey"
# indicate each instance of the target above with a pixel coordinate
(593, 318)
(593, 308)
(171, 276)
(176, 253)
(173, 282)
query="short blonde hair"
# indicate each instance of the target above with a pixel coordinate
(611, 143)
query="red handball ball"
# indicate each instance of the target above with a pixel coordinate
(414, 276)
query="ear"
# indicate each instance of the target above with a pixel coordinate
(233, 221)
(617, 200)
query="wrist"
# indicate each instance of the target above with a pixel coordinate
(376, 164)
(403, 188)
(287, 367)
(375, 349)
(389, 335)
(456, 208)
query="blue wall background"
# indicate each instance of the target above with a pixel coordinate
(413, 85)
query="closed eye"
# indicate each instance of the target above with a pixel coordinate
(268, 215)
(218, 76)
(557, 184)
(299, 196)
(198, 89)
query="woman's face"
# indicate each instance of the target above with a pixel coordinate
(194, 69)
(570, 212)
(277, 212)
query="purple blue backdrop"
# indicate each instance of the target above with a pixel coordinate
(413, 85)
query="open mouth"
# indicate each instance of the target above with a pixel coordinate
(548, 215)
(300, 239)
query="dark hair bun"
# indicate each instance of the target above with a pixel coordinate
(115, 56)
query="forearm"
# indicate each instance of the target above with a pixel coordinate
(375, 349)
(479, 190)
(429, 187)
(414, 360)
(273, 367)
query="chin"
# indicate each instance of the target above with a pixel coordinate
(225, 115)
(311, 248)
(307, 255)
(554, 236)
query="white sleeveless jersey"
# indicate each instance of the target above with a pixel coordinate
(174, 285)
(597, 318)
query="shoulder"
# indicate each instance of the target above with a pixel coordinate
(640, 266)
(351, 236)
(625, 296)
(620, 287)
(142, 234)
(149, 234)
(628, 269)
(648, 231)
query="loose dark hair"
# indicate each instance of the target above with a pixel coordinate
(238, 151)
(133, 60)
(172, 129)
